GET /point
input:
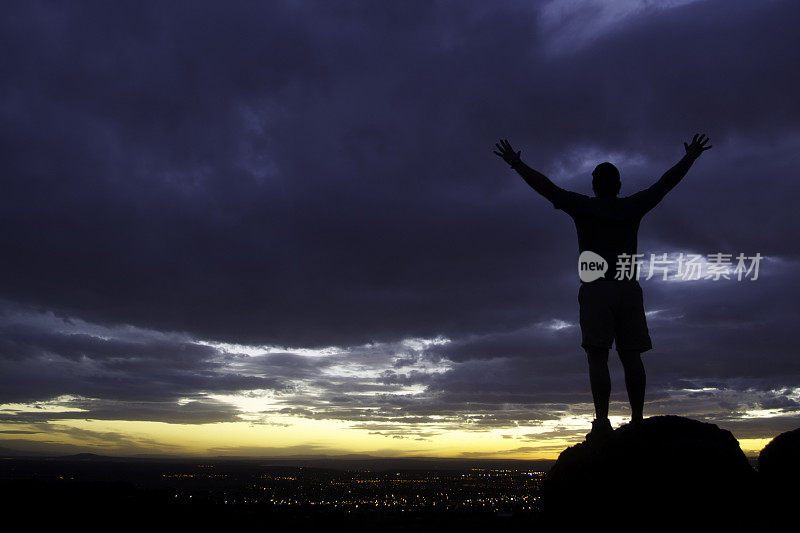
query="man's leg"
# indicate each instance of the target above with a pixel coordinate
(600, 380)
(635, 381)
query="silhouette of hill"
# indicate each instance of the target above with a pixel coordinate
(779, 470)
(668, 470)
(336, 462)
(86, 457)
(11, 452)
(780, 459)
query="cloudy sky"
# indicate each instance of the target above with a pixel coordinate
(278, 228)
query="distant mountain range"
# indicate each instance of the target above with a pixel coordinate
(338, 462)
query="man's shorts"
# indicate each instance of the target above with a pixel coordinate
(613, 310)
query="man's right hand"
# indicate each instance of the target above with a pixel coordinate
(698, 146)
(507, 153)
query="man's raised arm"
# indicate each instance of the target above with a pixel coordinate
(651, 196)
(538, 181)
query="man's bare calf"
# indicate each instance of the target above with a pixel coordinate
(635, 381)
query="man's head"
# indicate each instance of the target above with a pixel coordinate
(605, 180)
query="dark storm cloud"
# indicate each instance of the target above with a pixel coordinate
(90, 372)
(320, 174)
(98, 441)
(192, 412)
(19, 341)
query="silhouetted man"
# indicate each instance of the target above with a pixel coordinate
(611, 309)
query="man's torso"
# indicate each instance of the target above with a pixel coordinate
(607, 226)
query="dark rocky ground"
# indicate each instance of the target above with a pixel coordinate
(671, 472)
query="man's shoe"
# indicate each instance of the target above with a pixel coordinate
(601, 429)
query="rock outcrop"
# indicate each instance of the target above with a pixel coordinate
(779, 472)
(780, 459)
(665, 471)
